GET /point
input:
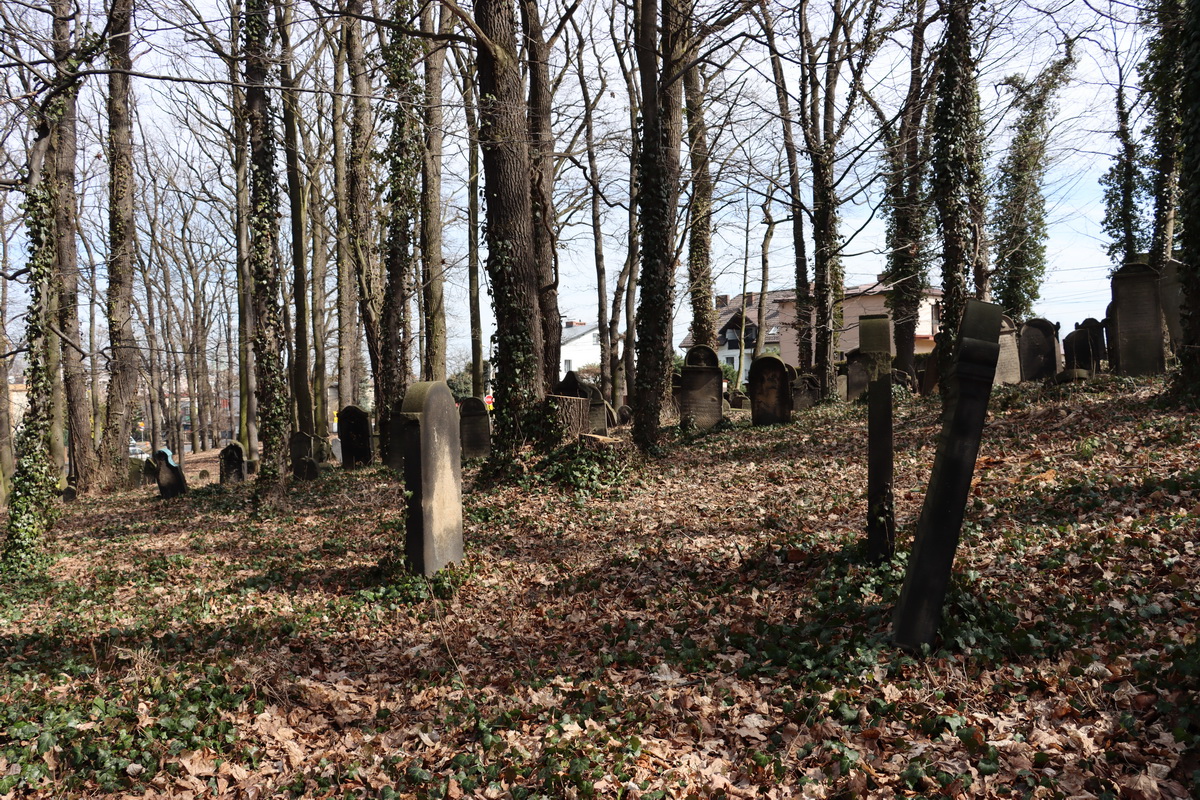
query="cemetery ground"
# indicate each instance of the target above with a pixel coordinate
(702, 625)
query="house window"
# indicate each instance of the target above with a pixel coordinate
(729, 360)
(567, 365)
(595, 338)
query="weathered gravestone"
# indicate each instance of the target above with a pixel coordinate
(432, 477)
(300, 449)
(134, 476)
(1077, 352)
(857, 379)
(354, 429)
(738, 400)
(571, 386)
(171, 481)
(233, 463)
(875, 344)
(149, 472)
(700, 384)
(474, 428)
(805, 392)
(335, 449)
(1008, 368)
(919, 610)
(931, 376)
(770, 391)
(597, 410)
(1038, 346)
(1095, 332)
(1138, 314)
(624, 415)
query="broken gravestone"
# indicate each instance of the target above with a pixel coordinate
(171, 481)
(875, 344)
(474, 428)
(770, 391)
(432, 477)
(354, 429)
(233, 463)
(919, 610)
(700, 384)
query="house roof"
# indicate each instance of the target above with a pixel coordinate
(579, 331)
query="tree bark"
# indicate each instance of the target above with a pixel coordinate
(700, 282)
(433, 365)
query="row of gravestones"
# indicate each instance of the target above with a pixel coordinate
(774, 390)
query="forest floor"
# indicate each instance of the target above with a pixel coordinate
(701, 625)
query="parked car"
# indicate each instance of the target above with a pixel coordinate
(138, 449)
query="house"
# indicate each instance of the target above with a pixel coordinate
(779, 334)
(580, 346)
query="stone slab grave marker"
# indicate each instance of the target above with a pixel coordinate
(1110, 338)
(624, 415)
(770, 391)
(857, 378)
(432, 477)
(700, 387)
(475, 428)
(571, 386)
(805, 393)
(1137, 309)
(354, 429)
(171, 480)
(919, 610)
(233, 464)
(597, 410)
(1039, 349)
(300, 449)
(875, 344)
(1008, 368)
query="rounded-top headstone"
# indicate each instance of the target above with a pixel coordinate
(354, 429)
(475, 428)
(701, 356)
(770, 390)
(572, 386)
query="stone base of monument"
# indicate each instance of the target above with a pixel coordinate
(1072, 376)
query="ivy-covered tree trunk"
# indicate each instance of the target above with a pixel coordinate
(1125, 186)
(478, 380)
(1189, 269)
(123, 363)
(1162, 79)
(273, 402)
(660, 48)
(512, 262)
(954, 172)
(700, 282)
(828, 272)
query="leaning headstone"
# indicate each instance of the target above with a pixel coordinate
(739, 400)
(875, 343)
(1038, 347)
(474, 428)
(1078, 353)
(134, 476)
(432, 478)
(1094, 329)
(1139, 316)
(149, 472)
(354, 429)
(300, 448)
(171, 481)
(233, 463)
(1008, 368)
(931, 377)
(919, 610)
(700, 384)
(770, 391)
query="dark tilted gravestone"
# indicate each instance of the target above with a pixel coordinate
(171, 481)
(474, 428)
(1008, 368)
(1095, 333)
(354, 429)
(1080, 353)
(300, 448)
(233, 464)
(875, 344)
(624, 415)
(931, 376)
(770, 391)
(739, 400)
(432, 477)
(856, 380)
(1139, 317)
(571, 386)
(700, 384)
(1038, 346)
(919, 610)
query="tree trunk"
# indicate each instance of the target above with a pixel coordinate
(433, 268)
(347, 341)
(700, 282)
(470, 99)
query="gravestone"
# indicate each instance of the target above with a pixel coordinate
(571, 415)
(805, 393)
(571, 386)
(700, 385)
(1138, 312)
(624, 415)
(597, 409)
(770, 391)
(149, 472)
(1008, 368)
(233, 464)
(1095, 332)
(1038, 347)
(856, 380)
(474, 428)
(739, 400)
(432, 477)
(134, 476)
(354, 429)
(1110, 338)
(300, 449)
(335, 448)
(171, 480)
(1079, 353)
(919, 610)
(931, 376)
(875, 344)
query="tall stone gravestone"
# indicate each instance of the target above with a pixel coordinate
(875, 344)
(857, 378)
(770, 391)
(300, 448)
(171, 480)
(233, 463)
(597, 409)
(1038, 346)
(354, 429)
(700, 384)
(1008, 368)
(474, 428)
(432, 477)
(919, 610)
(1139, 320)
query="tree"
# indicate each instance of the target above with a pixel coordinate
(1126, 188)
(1019, 222)
(700, 281)
(1162, 79)
(1189, 270)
